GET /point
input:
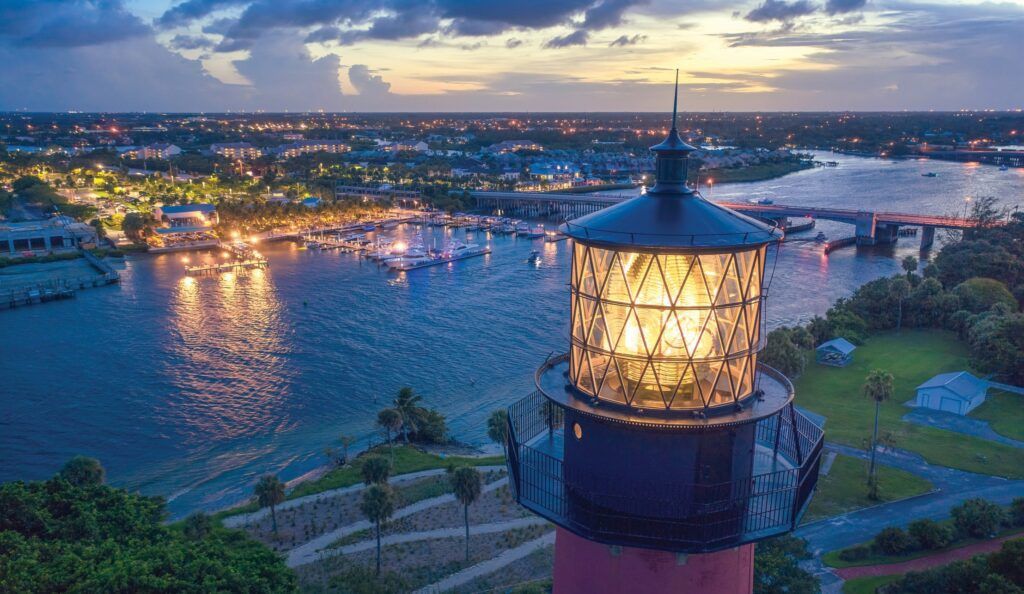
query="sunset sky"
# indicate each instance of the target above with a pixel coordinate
(521, 55)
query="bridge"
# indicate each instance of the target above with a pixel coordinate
(872, 227)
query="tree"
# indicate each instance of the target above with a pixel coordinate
(134, 225)
(930, 534)
(497, 428)
(978, 518)
(269, 492)
(407, 405)
(346, 442)
(83, 471)
(390, 421)
(909, 265)
(467, 485)
(777, 569)
(197, 526)
(899, 288)
(378, 505)
(1008, 561)
(978, 295)
(375, 470)
(893, 541)
(820, 329)
(781, 353)
(878, 386)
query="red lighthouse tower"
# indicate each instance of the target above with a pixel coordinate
(658, 444)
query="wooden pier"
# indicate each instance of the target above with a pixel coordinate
(245, 258)
(63, 288)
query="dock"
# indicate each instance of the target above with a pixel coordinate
(63, 288)
(405, 266)
(245, 258)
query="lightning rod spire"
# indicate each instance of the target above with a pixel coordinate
(675, 101)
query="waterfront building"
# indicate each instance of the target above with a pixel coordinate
(554, 171)
(46, 235)
(837, 352)
(187, 215)
(658, 445)
(958, 392)
(242, 151)
(302, 147)
(514, 146)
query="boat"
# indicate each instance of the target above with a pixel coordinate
(535, 232)
(831, 163)
(1004, 167)
(762, 201)
(820, 237)
(456, 250)
(389, 225)
(522, 228)
(534, 257)
(930, 174)
(369, 227)
(309, 244)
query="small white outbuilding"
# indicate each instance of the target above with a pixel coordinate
(957, 392)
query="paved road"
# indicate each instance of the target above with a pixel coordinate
(240, 520)
(457, 531)
(958, 424)
(309, 552)
(490, 566)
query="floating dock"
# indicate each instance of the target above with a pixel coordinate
(404, 266)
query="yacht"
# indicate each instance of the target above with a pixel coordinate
(534, 257)
(930, 174)
(535, 232)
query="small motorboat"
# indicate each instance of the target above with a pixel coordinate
(534, 257)
(930, 174)
(1004, 167)
(820, 237)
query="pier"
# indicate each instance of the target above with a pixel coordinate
(244, 258)
(60, 288)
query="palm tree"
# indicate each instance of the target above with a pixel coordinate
(390, 420)
(407, 405)
(378, 505)
(899, 289)
(909, 264)
(467, 484)
(269, 492)
(375, 470)
(346, 441)
(497, 428)
(878, 386)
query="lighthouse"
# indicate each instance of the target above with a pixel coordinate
(657, 443)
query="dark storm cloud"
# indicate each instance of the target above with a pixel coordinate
(68, 23)
(192, 10)
(624, 40)
(844, 6)
(191, 42)
(607, 13)
(578, 37)
(780, 10)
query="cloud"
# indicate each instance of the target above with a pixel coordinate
(624, 40)
(68, 23)
(191, 42)
(192, 10)
(607, 13)
(285, 77)
(843, 6)
(780, 10)
(578, 37)
(366, 82)
(513, 43)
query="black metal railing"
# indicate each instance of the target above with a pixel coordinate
(664, 514)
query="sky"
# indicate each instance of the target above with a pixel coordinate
(510, 55)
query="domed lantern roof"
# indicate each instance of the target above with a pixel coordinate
(671, 215)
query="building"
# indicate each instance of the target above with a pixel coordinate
(514, 146)
(837, 352)
(957, 392)
(303, 147)
(187, 215)
(403, 146)
(311, 202)
(160, 150)
(236, 151)
(554, 171)
(46, 235)
(658, 445)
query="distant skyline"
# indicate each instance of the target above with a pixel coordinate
(527, 55)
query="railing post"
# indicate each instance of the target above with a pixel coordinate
(796, 435)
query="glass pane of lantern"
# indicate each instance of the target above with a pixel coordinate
(723, 388)
(599, 364)
(598, 336)
(714, 267)
(674, 269)
(686, 395)
(588, 284)
(584, 318)
(695, 290)
(648, 393)
(615, 317)
(613, 388)
(730, 291)
(602, 261)
(753, 320)
(727, 318)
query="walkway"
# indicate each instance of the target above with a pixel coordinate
(237, 521)
(922, 563)
(309, 552)
(959, 424)
(453, 532)
(490, 566)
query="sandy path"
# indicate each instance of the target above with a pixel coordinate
(490, 566)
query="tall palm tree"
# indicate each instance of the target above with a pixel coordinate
(909, 264)
(497, 428)
(391, 421)
(407, 405)
(878, 386)
(378, 505)
(467, 485)
(269, 492)
(346, 442)
(375, 470)
(899, 288)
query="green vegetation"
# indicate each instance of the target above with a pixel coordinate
(378, 505)
(912, 356)
(998, 573)
(845, 489)
(5, 261)
(759, 172)
(73, 534)
(777, 570)
(467, 485)
(1005, 413)
(269, 492)
(868, 585)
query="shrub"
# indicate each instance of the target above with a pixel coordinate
(980, 294)
(930, 534)
(893, 541)
(978, 518)
(1017, 512)
(856, 553)
(1008, 561)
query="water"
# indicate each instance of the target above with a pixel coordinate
(192, 388)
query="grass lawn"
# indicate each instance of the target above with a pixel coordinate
(912, 356)
(868, 585)
(845, 488)
(406, 459)
(1005, 413)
